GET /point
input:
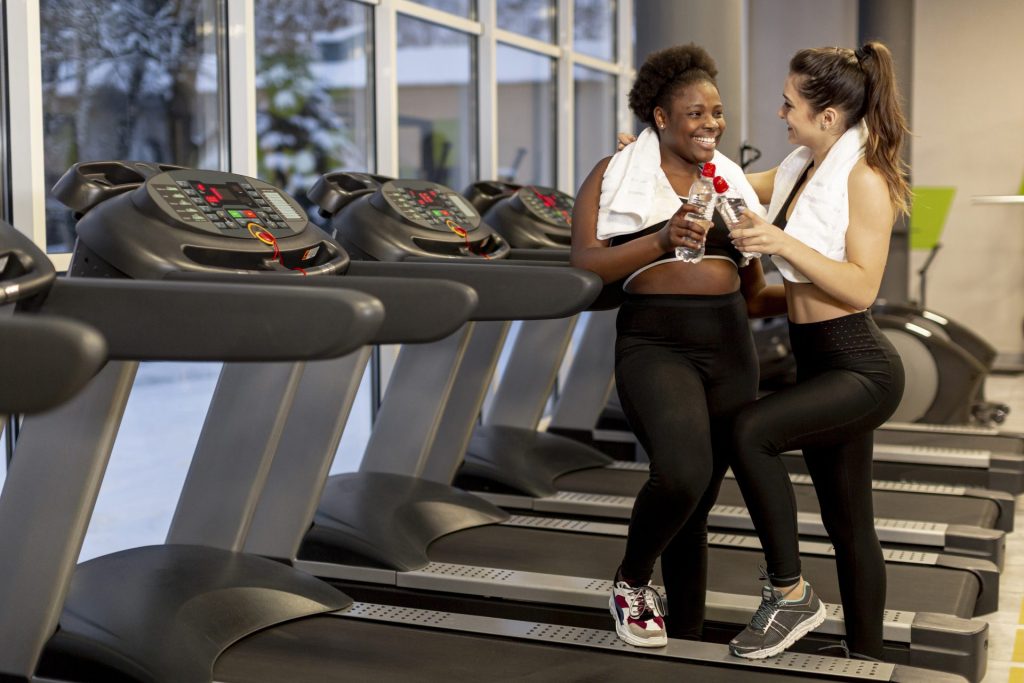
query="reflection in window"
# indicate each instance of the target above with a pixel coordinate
(526, 117)
(5, 188)
(534, 18)
(437, 109)
(594, 120)
(464, 8)
(140, 83)
(594, 28)
(313, 99)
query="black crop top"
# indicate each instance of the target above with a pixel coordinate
(717, 243)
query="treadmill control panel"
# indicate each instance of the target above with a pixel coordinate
(430, 206)
(547, 205)
(225, 203)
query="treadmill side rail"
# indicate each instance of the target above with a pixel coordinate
(825, 668)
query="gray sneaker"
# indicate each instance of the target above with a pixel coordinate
(778, 623)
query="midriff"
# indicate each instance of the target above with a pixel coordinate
(807, 303)
(710, 276)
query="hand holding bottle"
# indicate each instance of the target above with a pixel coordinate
(681, 231)
(732, 208)
(702, 197)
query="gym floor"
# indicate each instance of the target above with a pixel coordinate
(1006, 630)
(165, 415)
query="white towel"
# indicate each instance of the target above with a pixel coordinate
(636, 193)
(821, 214)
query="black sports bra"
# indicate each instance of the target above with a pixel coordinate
(717, 245)
(780, 219)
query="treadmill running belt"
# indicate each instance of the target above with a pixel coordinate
(919, 507)
(324, 649)
(911, 588)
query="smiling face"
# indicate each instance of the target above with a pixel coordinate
(694, 123)
(802, 123)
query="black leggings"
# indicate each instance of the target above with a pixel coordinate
(849, 381)
(684, 364)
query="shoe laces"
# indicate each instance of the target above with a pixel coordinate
(769, 605)
(645, 599)
(841, 647)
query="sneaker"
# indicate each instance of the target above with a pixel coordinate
(639, 615)
(778, 623)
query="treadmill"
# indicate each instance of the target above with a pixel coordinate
(182, 613)
(512, 465)
(929, 437)
(953, 459)
(397, 525)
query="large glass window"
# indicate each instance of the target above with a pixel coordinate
(135, 79)
(594, 29)
(526, 116)
(5, 188)
(595, 119)
(464, 8)
(533, 18)
(314, 100)
(437, 110)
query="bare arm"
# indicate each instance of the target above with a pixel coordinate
(763, 184)
(618, 262)
(855, 281)
(763, 300)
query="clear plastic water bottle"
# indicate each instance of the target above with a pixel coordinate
(702, 195)
(730, 208)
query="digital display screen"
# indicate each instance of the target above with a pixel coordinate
(552, 199)
(223, 194)
(556, 205)
(428, 199)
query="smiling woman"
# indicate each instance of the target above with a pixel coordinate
(684, 357)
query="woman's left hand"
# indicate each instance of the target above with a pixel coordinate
(755, 234)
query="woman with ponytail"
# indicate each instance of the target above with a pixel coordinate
(833, 202)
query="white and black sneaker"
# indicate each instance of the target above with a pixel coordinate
(639, 614)
(778, 623)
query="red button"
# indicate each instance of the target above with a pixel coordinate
(249, 214)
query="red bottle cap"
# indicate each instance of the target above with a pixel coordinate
(708, 171)
(720, 185)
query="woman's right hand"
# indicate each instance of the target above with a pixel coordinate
(624, 139)
(681, 231)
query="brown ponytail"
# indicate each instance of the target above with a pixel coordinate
(862, 85)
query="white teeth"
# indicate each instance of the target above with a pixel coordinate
(705, 141)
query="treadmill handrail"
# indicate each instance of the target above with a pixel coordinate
(45, 361)
(224, 322)
(417, 310)
(507, 291)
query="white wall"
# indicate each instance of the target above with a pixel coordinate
(777, 29)
(968, 124)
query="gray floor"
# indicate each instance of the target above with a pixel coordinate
(165, 415)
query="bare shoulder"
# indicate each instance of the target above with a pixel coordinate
(865, 183)
(590, 189)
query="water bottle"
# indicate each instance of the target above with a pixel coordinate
(702, 195)
(730, 208)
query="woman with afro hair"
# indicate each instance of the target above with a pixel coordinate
(684, 355)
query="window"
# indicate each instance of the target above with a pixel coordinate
(143, 83)
(533, 18)
(526, 117)
(463, 8)
(437, 112)
(314, 100)
(594, 127)
(594, 29)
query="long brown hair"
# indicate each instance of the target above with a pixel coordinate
(861, 84)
